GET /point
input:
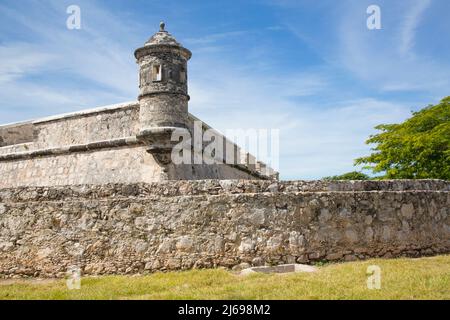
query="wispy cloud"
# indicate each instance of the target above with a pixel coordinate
(214, 38)
(317, 139)
(386, 61)
(19, 59)
(66, 69)
(410, 24)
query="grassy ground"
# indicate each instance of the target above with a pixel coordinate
(425, 278)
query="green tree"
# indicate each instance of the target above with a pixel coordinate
(355, 175)
(418, 148)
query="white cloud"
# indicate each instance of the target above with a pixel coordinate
(327, 141)
(410, 24)
(316, 139)
(386, 61)
(214, 37)
(100, 67)
(19, 59)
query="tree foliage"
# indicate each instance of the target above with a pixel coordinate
(355, 175)
(418, 148)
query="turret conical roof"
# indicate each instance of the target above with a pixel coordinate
(162, 40)
(162, 37)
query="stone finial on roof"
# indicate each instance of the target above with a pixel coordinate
(162, 37)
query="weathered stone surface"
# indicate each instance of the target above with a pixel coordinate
(130, 164)
(132, 228)
(98, 146)
(407, 210)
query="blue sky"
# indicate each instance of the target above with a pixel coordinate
(310, 68)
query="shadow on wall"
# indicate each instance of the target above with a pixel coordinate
(17, 134)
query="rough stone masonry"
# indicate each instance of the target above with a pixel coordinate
(137, 228)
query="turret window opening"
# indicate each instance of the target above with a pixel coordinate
(157, 72)
(182, 75)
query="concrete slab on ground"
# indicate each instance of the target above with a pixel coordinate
(283, 268)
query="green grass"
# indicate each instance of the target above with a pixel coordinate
(424, 278)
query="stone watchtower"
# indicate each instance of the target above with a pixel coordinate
(138, 148)
(163, 97)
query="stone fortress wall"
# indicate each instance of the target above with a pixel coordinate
(136, 228)
(94, 147)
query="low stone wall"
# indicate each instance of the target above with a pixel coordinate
(201, 224)
(92, 165)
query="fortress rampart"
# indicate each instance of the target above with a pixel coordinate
(97, 146)
(137, 228)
